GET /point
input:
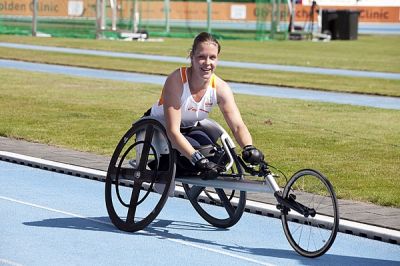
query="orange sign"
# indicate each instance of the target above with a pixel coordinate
(367, 14)
(185, 10)
(25, 8)
(48, 8)
(199, 11)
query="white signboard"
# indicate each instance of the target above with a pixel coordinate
(75, 8)
(238, 12)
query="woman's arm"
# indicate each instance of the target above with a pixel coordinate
(172, 93)
(229, 109)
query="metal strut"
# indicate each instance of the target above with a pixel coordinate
(228, 183)
(286, 204)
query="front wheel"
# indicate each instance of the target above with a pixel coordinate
(311, 235)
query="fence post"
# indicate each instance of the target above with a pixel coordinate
(34, 17)
(209, 12)
(166, 13)
(135, 17)
(278, 16)
(114, 9)
(273, 20)
(99, 4)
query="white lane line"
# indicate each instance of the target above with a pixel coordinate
(185, 243)
(54, 210)
(182, 242)
(9, 262)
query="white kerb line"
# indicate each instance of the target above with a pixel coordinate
(9, 262)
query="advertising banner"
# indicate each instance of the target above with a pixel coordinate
(370, 10)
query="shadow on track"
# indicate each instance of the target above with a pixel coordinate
(161, 229)
(104, 224)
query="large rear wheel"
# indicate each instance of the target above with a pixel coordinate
(139, 176)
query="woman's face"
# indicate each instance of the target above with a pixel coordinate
(204, 60)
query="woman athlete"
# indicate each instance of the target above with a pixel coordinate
(188, 96)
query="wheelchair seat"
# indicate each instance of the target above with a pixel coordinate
(218, 152)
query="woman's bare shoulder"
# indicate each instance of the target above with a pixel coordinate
(173, 84)
(174, 77)
(222, 86)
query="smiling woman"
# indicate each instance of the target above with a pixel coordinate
(188, 96)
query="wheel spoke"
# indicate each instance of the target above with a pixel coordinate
(225, 202)
(321, 231)
(146, 147)
(301, 233)
(322, 204)
(133, 203)
(194, 192)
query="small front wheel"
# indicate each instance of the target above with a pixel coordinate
(313, 233)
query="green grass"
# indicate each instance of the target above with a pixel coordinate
(298, 80)
(373, 53)
(356, 147)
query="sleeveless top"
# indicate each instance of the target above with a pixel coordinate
(191, 111)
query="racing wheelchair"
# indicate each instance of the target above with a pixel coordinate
(144, 169)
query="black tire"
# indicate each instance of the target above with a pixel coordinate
(233, 206)
(133, 173)
(233, 211)
(311, 236)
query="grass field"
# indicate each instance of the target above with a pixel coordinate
(356, 147)
(374, 53)
(368, 53)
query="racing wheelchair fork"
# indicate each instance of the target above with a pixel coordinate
(284, 204)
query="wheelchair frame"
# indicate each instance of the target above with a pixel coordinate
(140, 175)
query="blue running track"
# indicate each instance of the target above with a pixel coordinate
(49, 218)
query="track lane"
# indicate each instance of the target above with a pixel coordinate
(58, 219)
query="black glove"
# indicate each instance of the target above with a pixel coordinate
(209, 169)
(252, 155)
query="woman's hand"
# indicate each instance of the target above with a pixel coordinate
(252, 155)
(209, 170)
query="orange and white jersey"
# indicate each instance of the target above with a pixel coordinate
(191, 111)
